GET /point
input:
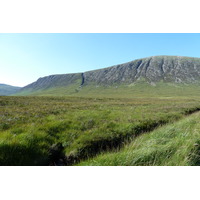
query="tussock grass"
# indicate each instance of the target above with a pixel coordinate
(66, 130)
(176, 144)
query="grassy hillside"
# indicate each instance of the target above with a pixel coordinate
(8, 89)
(138, 89)
(177, 144)
(66, 130)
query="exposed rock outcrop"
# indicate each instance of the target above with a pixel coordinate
(174, 69)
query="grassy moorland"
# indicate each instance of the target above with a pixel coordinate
(176, 144)
(67, 130)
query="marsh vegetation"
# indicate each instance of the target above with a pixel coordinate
(71, 130)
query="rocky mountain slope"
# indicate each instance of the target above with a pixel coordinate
(61, 80)
(8, 89)
(169, 69)
(174, 69)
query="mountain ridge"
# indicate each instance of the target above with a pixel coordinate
(154, 69)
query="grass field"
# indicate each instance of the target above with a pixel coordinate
(68, 130)
(176, 144)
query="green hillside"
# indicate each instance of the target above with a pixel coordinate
(138, 89)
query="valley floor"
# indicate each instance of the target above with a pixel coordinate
(99, 131)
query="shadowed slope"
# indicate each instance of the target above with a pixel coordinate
(8, 89)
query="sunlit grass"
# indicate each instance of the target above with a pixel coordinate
(177, 144)
(78, 128)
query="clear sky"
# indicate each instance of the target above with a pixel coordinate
(26, 57)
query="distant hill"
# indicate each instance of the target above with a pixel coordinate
(8, 89)
(151, 71)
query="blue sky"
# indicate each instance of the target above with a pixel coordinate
(26, 57)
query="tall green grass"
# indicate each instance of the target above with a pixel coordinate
(66, 130)
(177, 144)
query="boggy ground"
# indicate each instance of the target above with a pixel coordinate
(67, 130)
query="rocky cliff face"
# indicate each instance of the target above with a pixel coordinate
(174, 69)
(153, 69)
